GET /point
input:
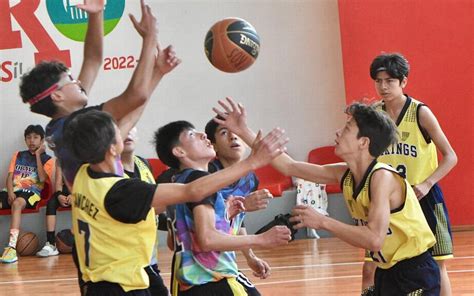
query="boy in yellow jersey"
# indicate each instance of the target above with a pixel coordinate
(390, 220)
(114, 231)
(415, 155)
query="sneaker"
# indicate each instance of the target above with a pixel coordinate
(48, 250)
(9, 255)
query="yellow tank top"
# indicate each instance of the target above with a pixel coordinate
(414, 156)
(145, 172)
(109, 250)
(408, 234)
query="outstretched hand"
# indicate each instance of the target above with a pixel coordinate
(234, 206)
(276, 236)
(92, 6)
(147, 26)
(306, 216)
(257, 200)
(166, 60)
(234, 116)
(264, 150)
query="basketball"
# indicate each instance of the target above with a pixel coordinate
(232, 45)
(27, 244)
(64, 241)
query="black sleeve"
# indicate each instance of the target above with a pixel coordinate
(210, 200)
(166, 176)
(129, 200)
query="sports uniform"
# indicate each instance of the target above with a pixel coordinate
(114, 232)
(404, 263)
(195, 272)
(26, 183)
(415, 157)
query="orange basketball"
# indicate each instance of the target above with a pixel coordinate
(64, 241)
(232, 45)
(27, 244)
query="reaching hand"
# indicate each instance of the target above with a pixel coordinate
(276, 236)
(260, 268)
(234, 206)
(257, 200)
(166, 60)
(264, 150)
(306, 216)
(92, 6)
(235, 116)
(147, 27)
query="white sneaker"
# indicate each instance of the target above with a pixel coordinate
(48, 250)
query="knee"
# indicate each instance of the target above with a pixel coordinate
(18, 204)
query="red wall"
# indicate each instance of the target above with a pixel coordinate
(436, 37)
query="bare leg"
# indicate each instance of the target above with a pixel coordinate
(368, 274)
(445, 283)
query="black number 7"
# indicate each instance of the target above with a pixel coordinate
(84, 227)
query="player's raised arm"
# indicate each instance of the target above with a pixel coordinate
(234, 118)
(263, 151)
(93, 43)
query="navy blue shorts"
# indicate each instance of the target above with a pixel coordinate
(415, 276)
(436, 213)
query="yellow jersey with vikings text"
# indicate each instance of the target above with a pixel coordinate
(109, 250)
(408, 234)
(145, 172)
(414, 156)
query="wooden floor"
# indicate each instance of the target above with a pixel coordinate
(304, 267)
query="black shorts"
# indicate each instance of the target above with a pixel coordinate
(157, 286)
(415, 276)
(224, 287)
(31, 198)
(436, 214)
(111, 289)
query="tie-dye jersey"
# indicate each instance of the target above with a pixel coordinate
(192, 266)
(69, 163)
(24, 168)
(243, 187)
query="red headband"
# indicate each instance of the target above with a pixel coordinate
(43, 95)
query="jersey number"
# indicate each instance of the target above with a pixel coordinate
(377, 257)
(84, 228)
(402, 170)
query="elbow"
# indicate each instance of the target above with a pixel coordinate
(375, 245)
(205, 243)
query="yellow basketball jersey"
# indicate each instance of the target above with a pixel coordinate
(145, 172)
(109, 250)
(408, 234)
(414, 156)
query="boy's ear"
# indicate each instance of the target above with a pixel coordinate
(56, 96)
(404, 82)
(364, 143)
(178, 152)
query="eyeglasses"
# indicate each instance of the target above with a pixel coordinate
(66, 80)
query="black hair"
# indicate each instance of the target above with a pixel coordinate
(37, 129)
(37, 80)
(211, 128)
(375, 125)
(395, 64)
(88, 134)
(166, 138)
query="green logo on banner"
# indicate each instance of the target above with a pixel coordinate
(72, 22)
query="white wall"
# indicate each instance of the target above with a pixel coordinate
(296, 83)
